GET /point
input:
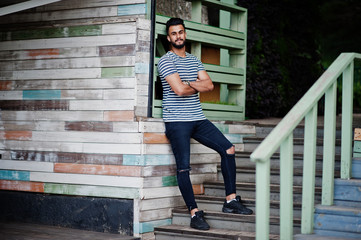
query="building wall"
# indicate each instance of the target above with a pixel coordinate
(74, 81)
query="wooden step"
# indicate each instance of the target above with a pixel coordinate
(251, 143)
(247, 190)
(181, 232)
(248, 175)
(338, 221)
(230, 221)
(213, 203)
(318, 237)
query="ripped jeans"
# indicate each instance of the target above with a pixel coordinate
(180, 134)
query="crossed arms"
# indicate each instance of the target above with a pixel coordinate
(202, 84)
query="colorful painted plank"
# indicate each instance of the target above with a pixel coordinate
(126, 83)
(130, 171)
(84, 105)
(67, 157)
(16, 135)
(78, 136)
(119, 116)
(69, 42)
(41, 94)
(89, 126)
(14, 175)
(52, 115)
(143, 227)
(85, 179)
(29, 105)
(117, 50)
(21, 186)
(132, 9)
(112, 148)
(93, 191)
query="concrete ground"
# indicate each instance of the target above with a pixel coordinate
(28, 231)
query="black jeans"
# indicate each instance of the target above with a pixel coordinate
(180, 134)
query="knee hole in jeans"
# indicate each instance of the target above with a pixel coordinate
(231, 150)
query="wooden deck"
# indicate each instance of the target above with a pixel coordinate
(28, 231)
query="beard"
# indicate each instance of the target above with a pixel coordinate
(178, 46)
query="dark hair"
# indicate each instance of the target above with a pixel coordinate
(173, 22)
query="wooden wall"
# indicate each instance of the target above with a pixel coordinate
(73, 98)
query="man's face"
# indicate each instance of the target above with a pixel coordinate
(177, 36)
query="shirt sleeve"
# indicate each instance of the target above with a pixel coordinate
(200, 66)
(166, 67)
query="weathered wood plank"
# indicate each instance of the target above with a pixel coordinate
(33, 126)
(16, 135)
(6, 85)
(132, 9)
(153, 138)
(155, 214)
(130, 171)
(11, 95)
(51, 53)
(48, 74)
(43, 146)
(119, 28)
(57, 32)
(122, 116)
(61, 15)
(357, 135)
(52, 115)
(67, 157)
(145, 227)
(147, 160)
(118, 94)
(125, 127)
(160, 192)
(85, 179)
(82, 105)
(78, 136)
(156, 171)
(94, 191)
(29, 105)
(124, 83)
(41, 94)
(89, 126)
(69, 42)
(62, 5)
(171, 202)
(117, 50)
(26, 165)
(112, 148)
(21, 186)
(116, 72)
(157, 127)
(69, 63)
(14, 175)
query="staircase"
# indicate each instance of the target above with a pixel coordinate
(234, 226)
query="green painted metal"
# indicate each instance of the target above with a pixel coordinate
(286, 188)
(347, 107)
(329, 138)
(309, 172)
(324, 86)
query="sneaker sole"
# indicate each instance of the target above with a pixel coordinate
(230, 210)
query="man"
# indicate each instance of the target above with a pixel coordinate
(183, 76)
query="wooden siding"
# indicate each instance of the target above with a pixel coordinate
(74, 79)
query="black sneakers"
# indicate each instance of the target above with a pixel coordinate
(198, 221)
(236, 206)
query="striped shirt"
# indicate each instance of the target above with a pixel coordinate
(180, 108)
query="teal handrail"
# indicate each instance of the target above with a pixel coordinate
(282, 138)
